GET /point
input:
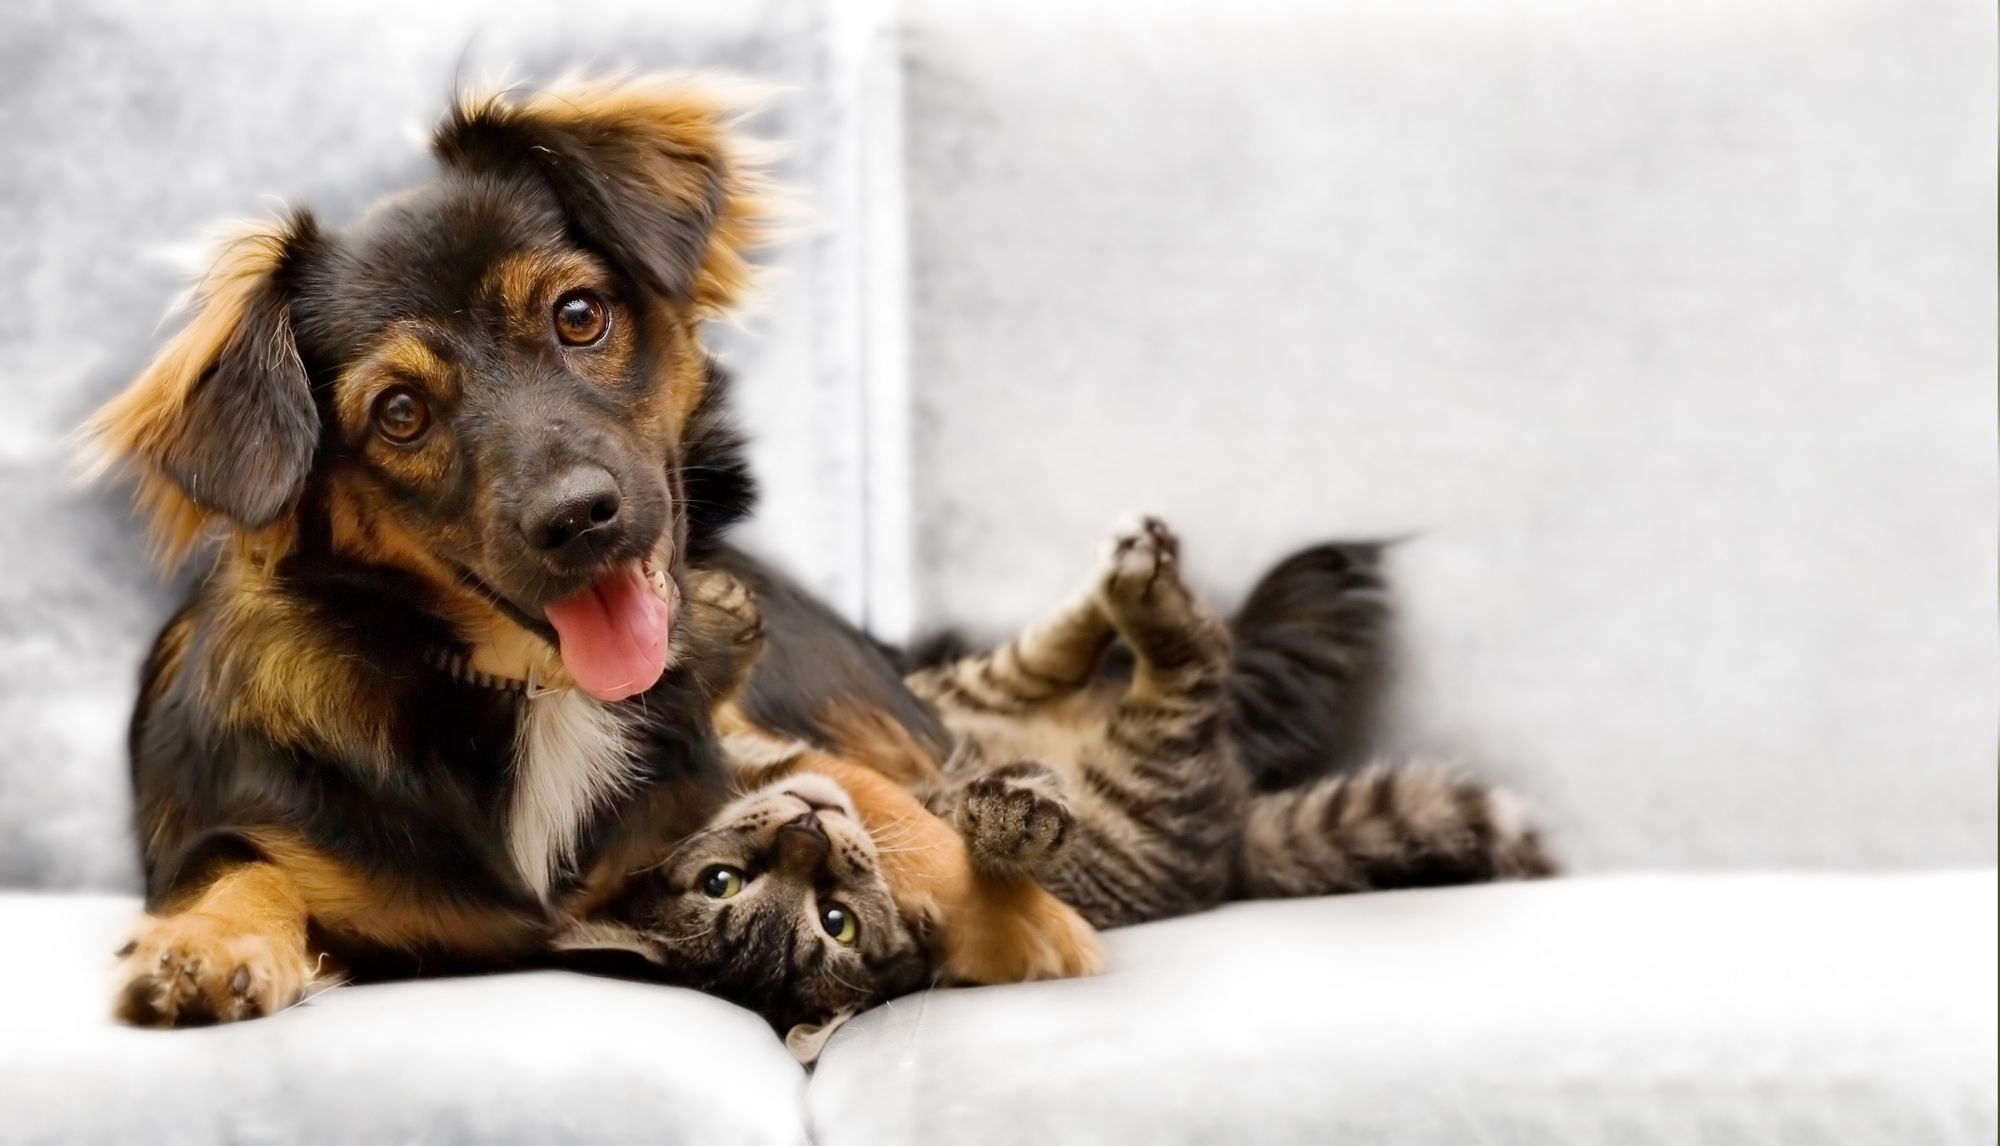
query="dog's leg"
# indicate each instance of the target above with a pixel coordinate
(236, 950)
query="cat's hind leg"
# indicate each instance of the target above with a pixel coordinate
(1180, 649)
(1159, 801)
(1049, 659)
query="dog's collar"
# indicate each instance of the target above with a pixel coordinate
(458, 667)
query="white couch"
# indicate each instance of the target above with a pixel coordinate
(1664, 331)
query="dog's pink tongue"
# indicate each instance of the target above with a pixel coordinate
(614, 635)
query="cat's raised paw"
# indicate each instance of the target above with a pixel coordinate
(726, 607)
(1014, 822)
(194, 970)
(1141, 558)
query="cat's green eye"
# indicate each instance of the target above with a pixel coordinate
(720, 882)
(839, 923)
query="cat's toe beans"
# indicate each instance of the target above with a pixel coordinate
(1142, 560)
(719, 590)
(1135, 552)
(1048, 822)
(732, 608)
(1013, 824)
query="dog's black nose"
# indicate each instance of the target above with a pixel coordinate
(581, 500)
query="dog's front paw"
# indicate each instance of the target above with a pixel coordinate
(1075, 945)
(192, 970)
(1014, 821)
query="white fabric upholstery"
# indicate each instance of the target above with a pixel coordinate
(1731, 1010)
(1665, 327)
(531, 1059)
(1721, 1009)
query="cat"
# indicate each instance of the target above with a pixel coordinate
(1123, 789)
(825, 886)
(1097, 755)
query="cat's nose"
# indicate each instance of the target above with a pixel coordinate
(802, 844)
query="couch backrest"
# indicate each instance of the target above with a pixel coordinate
(1664, 330)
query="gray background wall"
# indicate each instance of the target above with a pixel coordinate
(1666, 329)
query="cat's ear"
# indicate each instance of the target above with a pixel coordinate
(806, 1040)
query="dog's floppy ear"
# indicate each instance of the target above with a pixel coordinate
(647, 168)
(222, 421)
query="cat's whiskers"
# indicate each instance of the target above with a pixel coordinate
(689, 936)
(677, 849)
(930, 847)
(898, 831)
(834, 974)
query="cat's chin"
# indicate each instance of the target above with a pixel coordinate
(819, 793)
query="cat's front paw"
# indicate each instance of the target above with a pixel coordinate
(1141, 563)
(1014, 821)
(724, 607)
(725, 630)
(193, 970)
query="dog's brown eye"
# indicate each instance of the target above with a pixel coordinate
(581, 318)
(401, 416)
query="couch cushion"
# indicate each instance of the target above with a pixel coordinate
(532, 1058)
(1640, 1009)
(1666, 328)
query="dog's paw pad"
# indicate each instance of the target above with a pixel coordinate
(185, 971)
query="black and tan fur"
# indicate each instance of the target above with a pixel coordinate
(354, 738)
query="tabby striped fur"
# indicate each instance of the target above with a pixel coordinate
(1413, 826)
(1130, 795)
(1138, 775)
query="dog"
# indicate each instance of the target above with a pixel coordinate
(454, 461)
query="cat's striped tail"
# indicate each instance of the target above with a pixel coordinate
(1311, 664)
(1385, 827)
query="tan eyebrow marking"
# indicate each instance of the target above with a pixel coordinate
(409, 352)
(526, 282)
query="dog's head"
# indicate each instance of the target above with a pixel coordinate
(493, 381)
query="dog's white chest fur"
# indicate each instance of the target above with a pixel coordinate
(571, 754)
